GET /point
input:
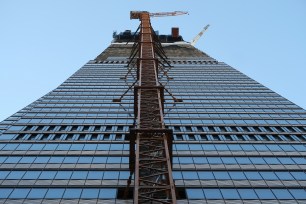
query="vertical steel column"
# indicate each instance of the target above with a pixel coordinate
(152, 156)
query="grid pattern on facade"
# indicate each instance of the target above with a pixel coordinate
(234, 139)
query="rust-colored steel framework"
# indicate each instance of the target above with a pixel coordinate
(150, 141)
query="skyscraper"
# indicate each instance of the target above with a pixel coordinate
(234, 140)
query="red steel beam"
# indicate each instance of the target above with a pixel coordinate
(152, 157)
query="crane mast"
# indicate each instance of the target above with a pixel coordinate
(196, 38)
(150, 141)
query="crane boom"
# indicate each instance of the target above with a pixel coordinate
(137, 14)
(196, 38)
(163, 14)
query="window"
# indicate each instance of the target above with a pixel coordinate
(298, 193)
(95, 175)
(285, 175)
(207, 175)
(230, 194)
(108, 193)
(31, 174)
(5, 192)
(47, 174)
(195, 193)
(252, 175)
(90, 193)
(268, 176)
(79, 175)
(20, 193)
(16, 175)
(237, 175)
(221, 175)
(72, 193)
(282, 194)
(111, 175)
(36, 193)
(190, 175)
(63, 175)
(264, 194)
(212, 194)
(247, 194)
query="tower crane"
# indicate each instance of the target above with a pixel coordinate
(150, 140)
(196, 38)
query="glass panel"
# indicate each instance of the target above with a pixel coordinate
(234, 147)
(24, 147)
(111, 175)
(16, 175)
(37, 193)
(85, 160)
(190, 175)
(79, 175)
(95, 175)
(99, 160)
(221, 175)
(299, 175)
(214, 160)
(72, 193)
(20, 193)
(90, 193)
(12, 160)
(237, 175)
(247, 194)
(298, 193)
(208, 175)
(63, 175)
(193, 193)
(71, 160)
(286, 160)
(246, 147)
(264, 194)
(243, 160)
(41, 160)
(282, 194)
(56, 160)
(268, 175)
(3, 174)
(37, 147)
(55, 193)
(229, 160)
(108, 193)
(272, 160)
(47, 174)
(212, 194)
(31, 175)
(50, 147)
(252, 175)
(230, 194)
(90, 147)
(285, 175)
(5, 192)
(257, 160)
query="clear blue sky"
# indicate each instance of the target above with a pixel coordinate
(43, 42)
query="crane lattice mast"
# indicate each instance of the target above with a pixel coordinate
(150, 141)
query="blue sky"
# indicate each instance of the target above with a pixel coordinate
(43, 42)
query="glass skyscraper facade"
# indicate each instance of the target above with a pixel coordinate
(235, 140)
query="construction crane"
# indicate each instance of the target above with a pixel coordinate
(196, 38)
(150, 141)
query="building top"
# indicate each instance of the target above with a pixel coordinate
(173, 45)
